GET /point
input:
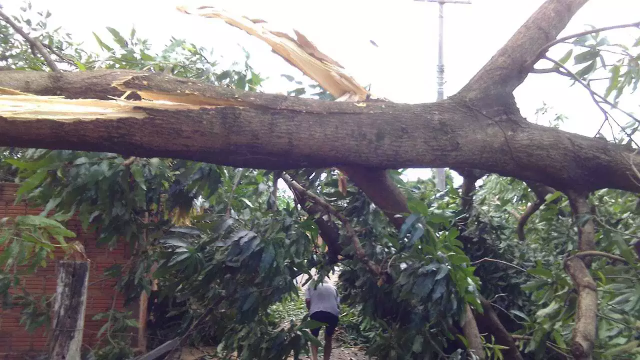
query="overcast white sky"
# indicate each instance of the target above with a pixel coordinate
(402, 68)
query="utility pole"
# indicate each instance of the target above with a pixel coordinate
(440, 175)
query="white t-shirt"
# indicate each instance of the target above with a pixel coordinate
(323, 298)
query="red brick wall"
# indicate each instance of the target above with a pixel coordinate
(15, 342)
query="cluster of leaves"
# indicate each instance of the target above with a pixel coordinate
(529, 279)
(597, 60)
(28, 242)
(432, 279)
(115, 336)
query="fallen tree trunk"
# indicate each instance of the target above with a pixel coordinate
(68, 310)
(227, 127)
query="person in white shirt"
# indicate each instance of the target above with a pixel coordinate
(323, 304)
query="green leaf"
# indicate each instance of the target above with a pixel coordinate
(444, 270)
(117, 37)
(557, 337)
(457, 259)
(614, 80)
(586, 56)
(424, 284)
(417, 344)
(175, 241)
(250, 301)
(31, 183)
(249, 204)
(541, 272)
(623, 247)
(416, 233)
(551, 197)
(587, 70)
(563, 60)
(52, 226)
(136, 171)
(267, 258)
(543, 313)
(439, 289)
(582, 219)
(9, 253)
(417, 206)
(102, 44)
(408, 223)
(53, 202)
(311, 324)
(520, 313)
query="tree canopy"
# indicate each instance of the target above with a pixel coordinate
(185, 162)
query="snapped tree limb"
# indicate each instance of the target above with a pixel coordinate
(243, 129)
(360, 254)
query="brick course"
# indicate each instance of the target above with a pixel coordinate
(15, 342)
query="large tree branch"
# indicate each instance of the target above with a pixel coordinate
(328, 230)
(359, 251)
(511, 64)
(244, 129)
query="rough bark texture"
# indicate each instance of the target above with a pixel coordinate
(508, 68)
(584, 332)
(278, 132)
(472, 334)
(68, 310)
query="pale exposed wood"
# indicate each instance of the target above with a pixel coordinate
(300, 52)
(68, 310)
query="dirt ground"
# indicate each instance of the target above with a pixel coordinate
(339, 353)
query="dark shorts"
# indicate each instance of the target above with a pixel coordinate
(324, 317)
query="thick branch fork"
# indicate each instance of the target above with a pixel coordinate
(242, 129)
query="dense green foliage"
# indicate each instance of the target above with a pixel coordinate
(227, 252)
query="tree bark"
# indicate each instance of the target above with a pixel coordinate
(228, 127)
(68, 310)
(584, 331)
(472, 334)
